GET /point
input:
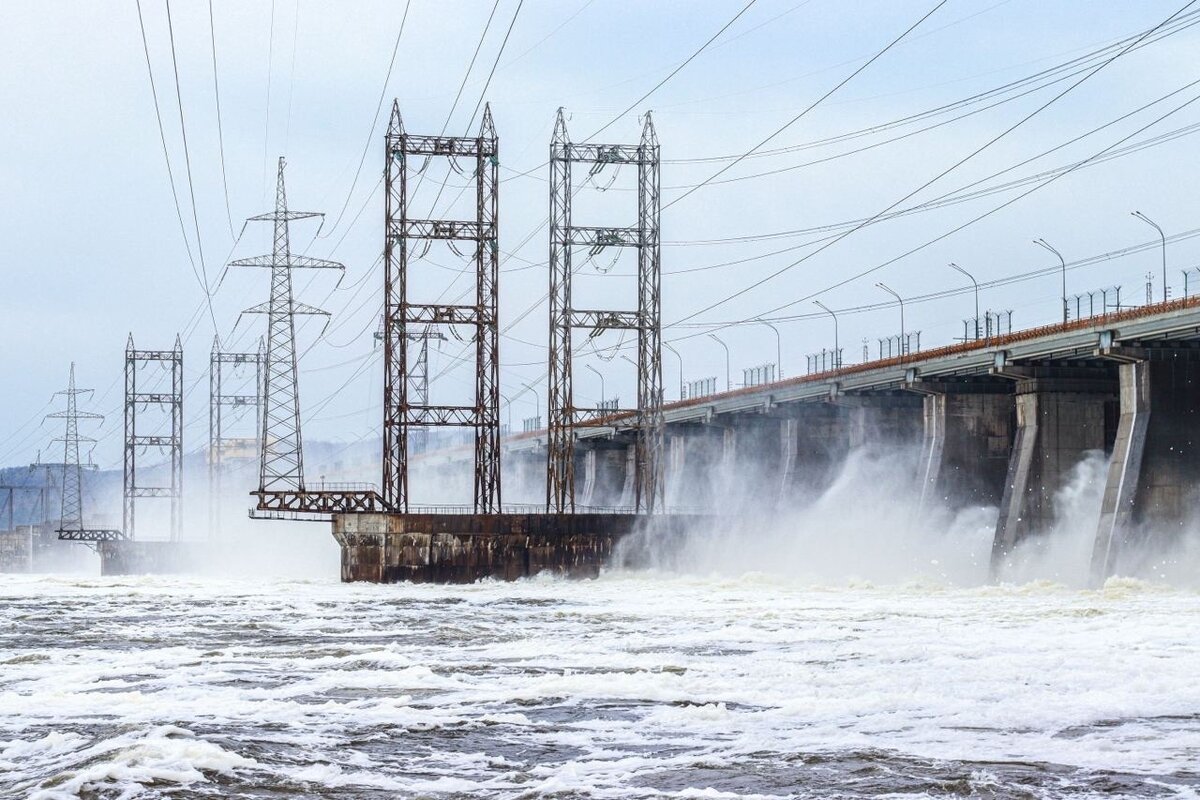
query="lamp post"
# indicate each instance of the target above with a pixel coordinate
(1046, 245)
(1162, 236)
(676, 352)
(508, 409)
(900, 299)
(728, 380)
(601, 377)
(629, 360)
(837, 350)
(974, 283)
(537, 401)
(778, 348)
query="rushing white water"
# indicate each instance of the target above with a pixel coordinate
(639, 684)
(849, 648)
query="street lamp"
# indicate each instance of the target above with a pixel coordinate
(601, 377)
(778, 348)
(676, 352)
(1162, 236)
(508, 407)
(728, 380)
(837, 350)
(976, 285)
(1046, 245)
(900, 299)
(537, 400)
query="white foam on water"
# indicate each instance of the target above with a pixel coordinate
(856, 630)
(126, 764)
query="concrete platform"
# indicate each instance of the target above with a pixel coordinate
(141, 557)
(462, 548)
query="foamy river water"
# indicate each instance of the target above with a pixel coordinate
(635, 685)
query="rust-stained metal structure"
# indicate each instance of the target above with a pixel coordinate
(221, 445)
(281, 489)
(71, 527)
(135, 443)
(407, 238)
(566, 315)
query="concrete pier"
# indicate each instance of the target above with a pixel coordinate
(462, 548)
(605, 469)
(1154, 471)
(1063, 412)
(695, 453)
(816, 437)
(812, 443)
(885, 418)
(968, 434)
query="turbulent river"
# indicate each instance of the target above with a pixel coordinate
(635, 685)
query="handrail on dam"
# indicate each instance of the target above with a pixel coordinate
(536, 508)
(1097, 322)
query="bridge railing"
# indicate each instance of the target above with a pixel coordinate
(998, 340)
(540, 508)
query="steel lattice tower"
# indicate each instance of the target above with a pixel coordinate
(418, 379)
(219, 443)
(404, 413)
(71, 520)
(135, 401)
(565, 235)
(281, 472)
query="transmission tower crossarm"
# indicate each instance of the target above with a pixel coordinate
(293, 261)
(298, 309)
(278, 216)
(75, 415)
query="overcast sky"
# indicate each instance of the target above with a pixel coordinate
(92, 245)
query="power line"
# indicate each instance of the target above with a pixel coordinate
(374, 120)
(220, 132)
(813, 105)
(934, 179)
(267, 121)
(187, 160)
(287, 126)
(969, 222)
(537, 303)
(471, 66)
(1006, 280)
(674, 72)
(162, 135)
(545, 38)
(956, 196)
(1079, 62)
(492, 72)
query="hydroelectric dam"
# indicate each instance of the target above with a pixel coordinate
(997, 422)
(999, 419)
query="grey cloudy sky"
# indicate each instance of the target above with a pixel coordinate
(92, 247)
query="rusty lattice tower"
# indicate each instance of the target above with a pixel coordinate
(566, 316)
(171, 361)
(406, 240)
(221, 445)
